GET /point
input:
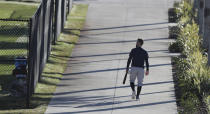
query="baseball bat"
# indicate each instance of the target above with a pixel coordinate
(125, 77)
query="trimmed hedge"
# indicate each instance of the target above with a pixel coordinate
(174, 32)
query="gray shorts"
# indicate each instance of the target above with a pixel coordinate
(137, 72)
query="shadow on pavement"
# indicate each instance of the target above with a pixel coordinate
(109, 54)
(101, 89)
(121, 41)
(137, 25)
(108, 60)
(107, 70)
(124, 31)
(121, 107)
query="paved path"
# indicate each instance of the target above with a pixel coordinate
(92, 83)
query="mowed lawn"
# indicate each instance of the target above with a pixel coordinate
(13, 40)
(17, 10)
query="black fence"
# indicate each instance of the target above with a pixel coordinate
(41, 35)
(14, 43)
(14, 39)
(32, 39)
(46, 26)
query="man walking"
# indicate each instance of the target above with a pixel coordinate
(138, 56)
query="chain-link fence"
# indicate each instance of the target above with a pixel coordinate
(14, 40)
(31, 39)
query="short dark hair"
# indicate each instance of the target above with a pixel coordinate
(140, 41)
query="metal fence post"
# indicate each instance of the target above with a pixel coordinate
(63, 14)
(29, 65)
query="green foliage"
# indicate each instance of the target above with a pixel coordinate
(189, 39)
(174, 31)
(174, 47)
(208, 101)
(176, 4)
(184, 9)
(183, 21)
(193, 78)
(182, 12)
(192, 73)
(189, 101)
(172, 17)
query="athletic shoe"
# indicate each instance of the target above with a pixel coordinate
(133, 95)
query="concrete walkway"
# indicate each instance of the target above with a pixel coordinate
(92, 83)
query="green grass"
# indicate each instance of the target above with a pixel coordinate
(54, 68)
(16, 11)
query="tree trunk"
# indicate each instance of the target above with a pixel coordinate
(206, 40)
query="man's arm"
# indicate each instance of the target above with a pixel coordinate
(127, 68)
(129, 61)
(147, 64)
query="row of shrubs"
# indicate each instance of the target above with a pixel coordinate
(192, 75)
